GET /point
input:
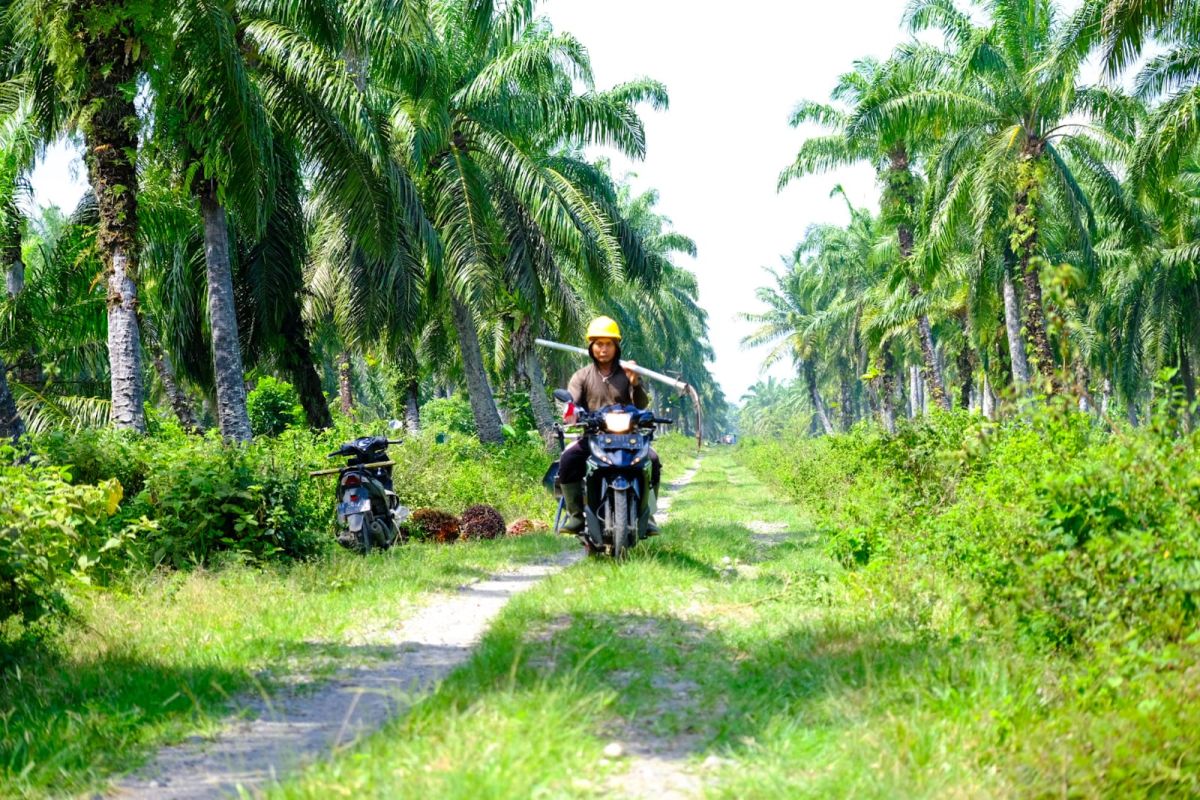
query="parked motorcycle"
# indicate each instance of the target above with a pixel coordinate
(617, 482)
(367, 508)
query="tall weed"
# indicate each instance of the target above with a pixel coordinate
(1076, 536)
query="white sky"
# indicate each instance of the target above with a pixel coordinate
(734, 73)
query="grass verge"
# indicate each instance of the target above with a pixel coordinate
(158, 661)
(735, 649)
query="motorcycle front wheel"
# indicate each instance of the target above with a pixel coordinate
(619, 523)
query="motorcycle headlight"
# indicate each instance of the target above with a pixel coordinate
(617, 421)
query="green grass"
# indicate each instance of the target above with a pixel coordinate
(677, 453)
(733, 635)
(157, 662)
(802, 680)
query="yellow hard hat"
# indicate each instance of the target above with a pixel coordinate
(603, 328)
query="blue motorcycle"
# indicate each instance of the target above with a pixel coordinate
(617, 482)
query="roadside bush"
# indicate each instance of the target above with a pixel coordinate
(257, 501)
(520, 412)
(461, 472)
(1118, 549)
(1077, 536)
(95, 456)
(50, 531)
(273, 407)
(207, 498)
(448, 415)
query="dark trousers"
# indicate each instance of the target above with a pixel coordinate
(572, 464)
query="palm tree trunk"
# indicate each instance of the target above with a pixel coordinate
(887, 390)
(412, 407)
(14, 278)
(814, 396)
(296, 358)
(1083, 378)
(987, 398)
(932, 370)
(12, 427)
(966, 374)
(1035, 321)
(1025, 216)
(483, 405)
(230, 378)
(543, 413)
(1189, 382)
(847, 402)
(166, 374)
(899, 184)
(111, 143)
(345, 384)
(1012, 326)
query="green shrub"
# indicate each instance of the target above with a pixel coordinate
(258, 501)
(94, 456)
(461, 472)
(50, 531)
(273, 406)
(1118, 548)
(448, 415)
(207, 498)
(520, 412)
(1079, 537)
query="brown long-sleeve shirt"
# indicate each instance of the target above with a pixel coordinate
(593, 391)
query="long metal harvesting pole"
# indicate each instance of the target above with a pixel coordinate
(648, 373)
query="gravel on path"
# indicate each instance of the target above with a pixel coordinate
(656, 767)
(283, 733)
(270, 737)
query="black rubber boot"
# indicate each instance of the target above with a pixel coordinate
(573, 505)
(651, 507)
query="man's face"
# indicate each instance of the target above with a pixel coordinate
(603, 350)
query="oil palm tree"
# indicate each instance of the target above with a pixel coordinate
(1013, 149)
(796, 300)
(770, 407)
(890, 145)
(80, 63)
(478, 135)
(252, 91)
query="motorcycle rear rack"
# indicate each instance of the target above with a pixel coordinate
(339, 470)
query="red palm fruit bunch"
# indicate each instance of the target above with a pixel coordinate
(481, 522)
(430, 523)
(524, 526)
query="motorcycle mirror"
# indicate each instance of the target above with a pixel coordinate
(562, 395)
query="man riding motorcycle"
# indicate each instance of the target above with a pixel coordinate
(604, 382)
